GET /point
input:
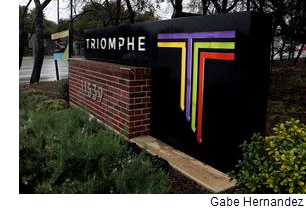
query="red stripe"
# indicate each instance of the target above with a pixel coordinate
(200, 99)
(203, 56)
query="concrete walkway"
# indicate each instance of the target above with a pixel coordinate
(47, 72)
(206, 176)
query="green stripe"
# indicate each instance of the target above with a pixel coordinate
(197, 46)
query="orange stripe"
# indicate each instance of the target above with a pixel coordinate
(203, 56)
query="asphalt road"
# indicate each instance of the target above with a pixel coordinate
(47, 72)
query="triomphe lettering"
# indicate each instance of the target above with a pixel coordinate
(120, 43)
(117, 43)
(141, 43)
(93, 41)
(130, 43)
(103, 43)
(112, 43)
(87, 43)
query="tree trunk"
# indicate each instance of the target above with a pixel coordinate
(204, 7)
(23, 36)
(131, 12)
(248, 5)
(40, 48)
(224, 6)
(281, 51)
(299, 54)
(118, 11)
(108, 22)
(289, 50)
(177, 9)
(292, 49)
(22, 39)
(272, 51)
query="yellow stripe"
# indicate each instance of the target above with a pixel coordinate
(197, 46)
(181, 45)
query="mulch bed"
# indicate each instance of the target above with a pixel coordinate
(183, 185)
(49, 88)
(288, 87)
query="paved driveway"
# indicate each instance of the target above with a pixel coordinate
(47, 72)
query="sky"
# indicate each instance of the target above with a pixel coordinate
(51, 10)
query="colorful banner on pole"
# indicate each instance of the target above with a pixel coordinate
(61, 45)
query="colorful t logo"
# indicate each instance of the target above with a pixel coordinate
(196, 46)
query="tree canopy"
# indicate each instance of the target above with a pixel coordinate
(289, 17)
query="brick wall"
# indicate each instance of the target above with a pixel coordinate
(118, 95)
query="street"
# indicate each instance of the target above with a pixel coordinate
(47, 72)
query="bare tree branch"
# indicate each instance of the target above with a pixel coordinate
(45, 3)
(26, 9)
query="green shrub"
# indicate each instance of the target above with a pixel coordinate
(29, 100)
(67, 152)
(63, 90)
(141, 176)
(32, 92)
(51, 105)
(274, 164)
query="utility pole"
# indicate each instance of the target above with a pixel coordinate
(57, 15)
(71, 32)
(55, 60)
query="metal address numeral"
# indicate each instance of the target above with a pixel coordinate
(100, 94)
(84, 87)
(94, 92)
(91, 90)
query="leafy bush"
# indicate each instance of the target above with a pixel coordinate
(63, 90)
(51, 105)
(67, 152)
(274, 164)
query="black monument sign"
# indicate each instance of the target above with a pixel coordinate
(209, 78)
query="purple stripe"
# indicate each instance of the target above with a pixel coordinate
(188, 91)
(221, 34)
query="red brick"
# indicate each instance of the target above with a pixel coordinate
(126, 101)
(138, 83)
(138, 100)
(137, 112)
(146, 111)
(138, 123)
(139, 117)
(137, 94)
(146, 99)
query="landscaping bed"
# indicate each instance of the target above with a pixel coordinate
(63, 150)
(287, 99)
(178, 183)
